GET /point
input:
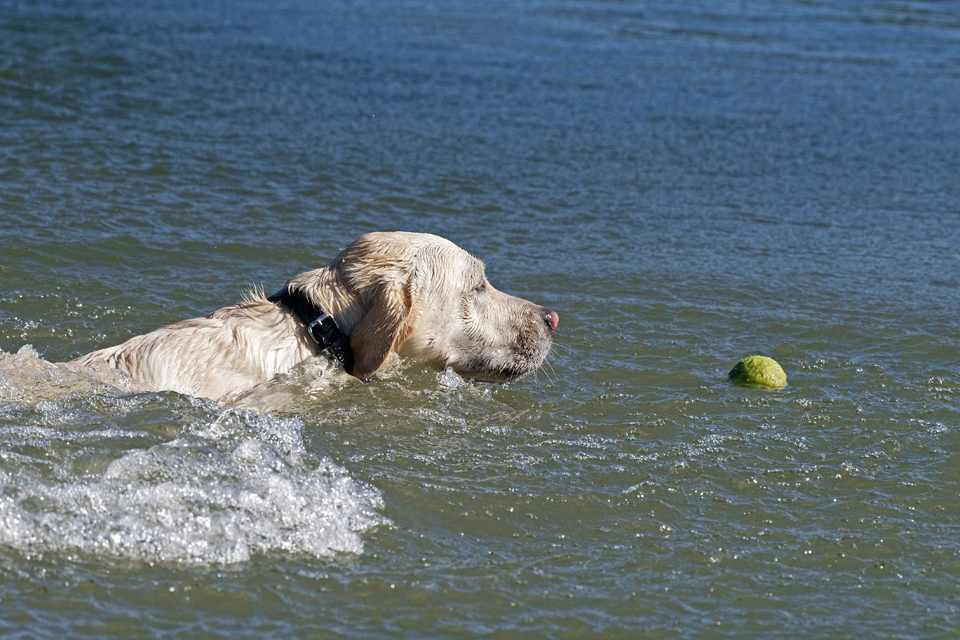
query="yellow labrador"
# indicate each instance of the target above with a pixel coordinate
(414, 294)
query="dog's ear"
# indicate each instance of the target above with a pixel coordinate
(389, 320)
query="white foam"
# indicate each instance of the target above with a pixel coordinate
(231, 485)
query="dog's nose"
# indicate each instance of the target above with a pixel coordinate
(552, 319)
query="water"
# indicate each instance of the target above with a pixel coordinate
(685, 184)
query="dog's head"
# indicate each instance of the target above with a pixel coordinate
(427, 299)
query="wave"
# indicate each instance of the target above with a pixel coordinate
(87, 469)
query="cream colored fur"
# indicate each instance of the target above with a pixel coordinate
(417, 295)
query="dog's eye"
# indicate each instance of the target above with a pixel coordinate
(480, 288)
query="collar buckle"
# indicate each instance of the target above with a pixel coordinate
(323, 329)
(320, 319)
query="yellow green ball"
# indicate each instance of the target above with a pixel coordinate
(759, 371)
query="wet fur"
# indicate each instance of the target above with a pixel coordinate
(417, 295)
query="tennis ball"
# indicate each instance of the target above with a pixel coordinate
(759, 371)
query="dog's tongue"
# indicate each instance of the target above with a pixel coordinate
(553, 319)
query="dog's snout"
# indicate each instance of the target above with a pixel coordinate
(552, 319)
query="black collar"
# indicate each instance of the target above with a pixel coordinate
(320, 326)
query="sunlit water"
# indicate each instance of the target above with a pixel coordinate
(686, 185)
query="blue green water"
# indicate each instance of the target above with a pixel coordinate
(685, 184)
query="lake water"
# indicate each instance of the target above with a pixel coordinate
(685, 183)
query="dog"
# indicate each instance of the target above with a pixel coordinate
(417, 295)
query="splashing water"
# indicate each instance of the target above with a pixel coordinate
(231, 484)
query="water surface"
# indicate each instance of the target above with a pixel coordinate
(685, 185)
